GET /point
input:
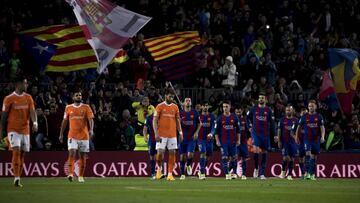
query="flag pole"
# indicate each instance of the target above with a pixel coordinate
(172, 87)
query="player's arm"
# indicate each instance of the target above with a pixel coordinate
(298, 129)
(145, 130)
(249, 117)
(178, 127)
(322, 130)
(91, 126)
(33, 115)
(217, 140)
(238, 135)
(156, 123)
(196, 134)
(277, 138)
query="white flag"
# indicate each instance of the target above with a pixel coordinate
(107, 27)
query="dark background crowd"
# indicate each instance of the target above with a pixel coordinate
(277, 46)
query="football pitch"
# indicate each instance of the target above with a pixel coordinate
(217, 190)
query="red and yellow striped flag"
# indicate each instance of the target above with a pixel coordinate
(73, 51)
(164, 47)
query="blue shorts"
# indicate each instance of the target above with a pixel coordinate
(261, 141)
(152, 150)
(311, 146)
(243, 150)
(187, 147)
(206, 147)
(228, 150)
(289, 149)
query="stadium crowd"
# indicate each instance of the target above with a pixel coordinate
(272, 46)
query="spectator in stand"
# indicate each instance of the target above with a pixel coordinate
(229, 71)
(42, 134)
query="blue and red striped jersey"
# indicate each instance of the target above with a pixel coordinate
(208, 122)
(189, 123)
(244, 129)
(227, 127)
(312, 124)
(261, 121)
(287, 128)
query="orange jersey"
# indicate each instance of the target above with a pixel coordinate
(18, 109)
(78, 118)
(167, 114)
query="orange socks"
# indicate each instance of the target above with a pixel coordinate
(71, 161)
(16, 162)
(171, 163)
(82, 165)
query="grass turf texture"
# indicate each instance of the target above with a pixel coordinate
(219, 190)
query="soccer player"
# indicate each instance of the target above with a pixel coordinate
(262, 127)
(18, 108)
(165, 123)
(190, 124)
(301, 146)
(205, 143)
(227, 136)
(80, 117)
(149, 137)
(314, 130)
(286, 140)
(243, 147)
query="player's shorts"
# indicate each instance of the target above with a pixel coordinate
(206, 147)
(81, 145)
(263, 142)
(188, 147)
(228, 150)
(152, 148)
(19, 140)
(289, 149)
(243, 150)
(169, 143)
(311, 146)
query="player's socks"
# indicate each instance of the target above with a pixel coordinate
(301, 164)
(225, 165)
(243, 165)
(307, 163)
(182, 167)
(256, 161)
(16, 162)
(290, 168)
(171, 163)
(283, 165)
(189, 166)
(152, 167)
(202, 165)
(263, 163)
(233, 164)
(71, 166)
(22, 160)
(312, 166)
(82, 165)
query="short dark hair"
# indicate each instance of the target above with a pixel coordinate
(226, 102)
(312, 101)
(19, 79)
(262, 94)
(169, 91)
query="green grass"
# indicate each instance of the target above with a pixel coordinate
(105, 190)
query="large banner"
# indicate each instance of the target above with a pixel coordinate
(132, 164)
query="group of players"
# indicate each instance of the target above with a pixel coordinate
(294, 136)
(168, 126)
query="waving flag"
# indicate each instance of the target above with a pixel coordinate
(71, 50)
(175, 54)
(344, 66)
(106, 26)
